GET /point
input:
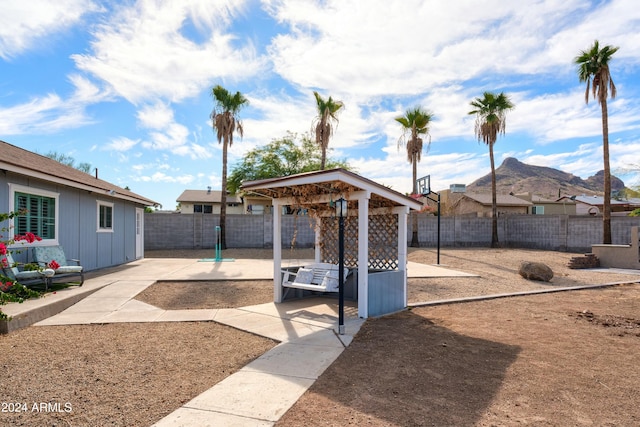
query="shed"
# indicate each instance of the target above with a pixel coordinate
(95, 221)
(375, 231)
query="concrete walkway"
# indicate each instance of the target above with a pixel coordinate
(261, 392)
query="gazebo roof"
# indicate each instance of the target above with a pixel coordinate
(312, 187)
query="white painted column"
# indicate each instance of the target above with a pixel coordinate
(277, 250)
(363, 254)
(403, 214)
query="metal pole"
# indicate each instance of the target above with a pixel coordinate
(438, 228)
(218, 257)
(341, 275)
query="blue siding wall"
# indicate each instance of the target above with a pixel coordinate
(77, 223)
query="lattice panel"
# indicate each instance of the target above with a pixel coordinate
(383, 241)
(329, 244)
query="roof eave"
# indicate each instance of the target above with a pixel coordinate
(74, 184)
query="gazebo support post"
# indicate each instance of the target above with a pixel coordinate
(403, 215)
(363, 253)
(277, 250)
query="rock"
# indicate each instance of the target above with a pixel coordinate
(535, 271)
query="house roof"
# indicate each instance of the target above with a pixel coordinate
(17, 160)
(501, 199)
(594, 200)
(312, 187)
(206, 196)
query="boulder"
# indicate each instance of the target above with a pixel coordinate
(535, 271)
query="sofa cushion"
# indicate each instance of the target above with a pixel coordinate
(304, 275)
(67, 269)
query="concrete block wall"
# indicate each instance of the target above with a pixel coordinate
(197, 231)
(550, 232)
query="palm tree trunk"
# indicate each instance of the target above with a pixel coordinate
(414, 215)
(494, 202)
(323, 158)
(223, 198)
(606, 214)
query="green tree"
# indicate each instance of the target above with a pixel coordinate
(286, 156)
(593, 69)
(225, 121)
(414, 123)
(323, 129)
(491, 114)
(69, 161)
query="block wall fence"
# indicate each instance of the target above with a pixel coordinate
(549, 232)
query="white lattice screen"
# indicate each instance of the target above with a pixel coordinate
(383, 241)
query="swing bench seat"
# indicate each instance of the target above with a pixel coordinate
(317, 277)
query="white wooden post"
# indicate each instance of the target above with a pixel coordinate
(403, 213)
(363, 253)
(277, 250)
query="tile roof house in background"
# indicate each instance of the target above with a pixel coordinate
(479, 204)
(208, 202)
(543, 206)
(93, 220)
(592, 205)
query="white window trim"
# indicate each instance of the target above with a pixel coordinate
(17, 188)
(104, 230)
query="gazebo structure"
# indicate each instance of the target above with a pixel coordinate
(375, 231)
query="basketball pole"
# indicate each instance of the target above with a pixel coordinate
(424, 185)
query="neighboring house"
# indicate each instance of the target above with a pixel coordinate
(543, 206)
(208, 202)
(592, 205)
(257, 204)
(479, 204)
(96, 222)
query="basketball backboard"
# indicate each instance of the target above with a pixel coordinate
(424, 185)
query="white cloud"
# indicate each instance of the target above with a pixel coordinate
(156, 116)
(30, 24)
(42, 115)
(143, 54)
(167, 135)
(376, 48)
(51, 113)
(162, 177)
(121, 144)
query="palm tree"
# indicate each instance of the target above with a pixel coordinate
(414, 123)
(491, 113)
(327, 113)
(225, 121)
(593, 68)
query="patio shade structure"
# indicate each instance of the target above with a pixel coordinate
(375, 229)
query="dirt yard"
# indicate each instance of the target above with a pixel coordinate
(568, 358)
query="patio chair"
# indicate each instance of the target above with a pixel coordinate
(44, 255)
(27, 277)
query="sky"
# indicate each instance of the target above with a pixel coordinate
(126, 85)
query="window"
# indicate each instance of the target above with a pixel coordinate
(41, 212)
(537, 210)
(105, 216)
(203, 209)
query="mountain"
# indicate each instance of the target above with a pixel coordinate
(516, 177)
